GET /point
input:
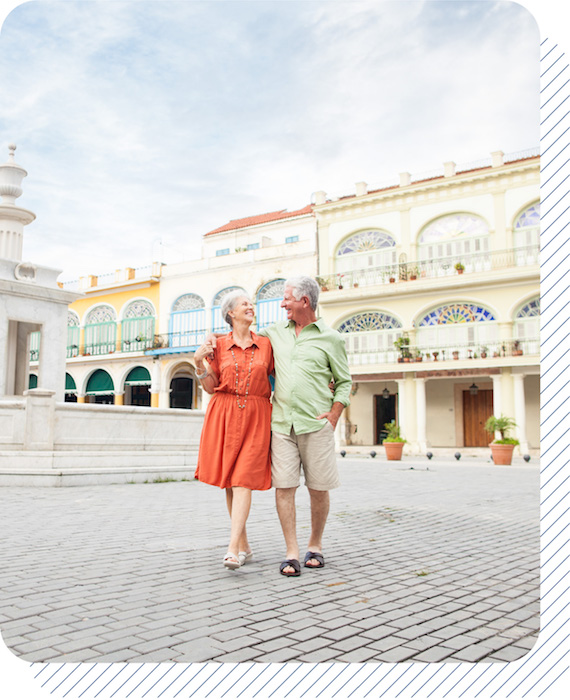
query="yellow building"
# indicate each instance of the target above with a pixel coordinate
(433, 281)
(110, 329)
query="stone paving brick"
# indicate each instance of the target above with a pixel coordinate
(318, 656)
(145, 595)
(358, 656)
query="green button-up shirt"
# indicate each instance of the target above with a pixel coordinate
(304, 367)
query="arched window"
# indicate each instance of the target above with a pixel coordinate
(459, 326)
(137, 387)
(100, 330)
(364, 250)
(70, 389)
(370, 337)
(73, 334)
(526, 235)
(188, 321)
(218, 323)
(100, 386)
(137, 326)
(452, 239)
(526, 327)
(269, 299)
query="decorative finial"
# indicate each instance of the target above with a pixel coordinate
(11, 148)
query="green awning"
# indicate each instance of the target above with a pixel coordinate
(69, 384)
(139, 376)
(99, 383)
(33, 381)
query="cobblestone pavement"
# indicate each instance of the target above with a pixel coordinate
(426, 561)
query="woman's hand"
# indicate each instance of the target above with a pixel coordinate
(205, 351)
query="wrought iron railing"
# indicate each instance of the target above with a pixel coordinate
(446, 266)
(442, 353)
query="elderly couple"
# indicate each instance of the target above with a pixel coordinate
(249, 443)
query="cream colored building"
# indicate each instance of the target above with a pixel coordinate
(132, 337)
(388, 257)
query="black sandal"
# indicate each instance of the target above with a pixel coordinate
(294, 564)
(314, 555)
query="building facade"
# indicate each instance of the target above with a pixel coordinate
(433, 281)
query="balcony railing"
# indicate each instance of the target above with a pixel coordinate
(435, 268)
(441, 353)
(138, 344)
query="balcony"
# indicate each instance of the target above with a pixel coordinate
(444, 267)
(489, 354)
(139, 344)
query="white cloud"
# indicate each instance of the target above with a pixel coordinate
(141, 121)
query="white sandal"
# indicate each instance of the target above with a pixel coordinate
(245, 557)
(231, 561)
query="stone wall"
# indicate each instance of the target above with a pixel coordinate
(46, 442)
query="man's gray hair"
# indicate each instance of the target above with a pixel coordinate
(229, 303)
(303, 286)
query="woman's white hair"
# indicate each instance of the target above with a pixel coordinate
(303, 286)
(229, 302)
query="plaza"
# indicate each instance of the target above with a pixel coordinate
(426, 561)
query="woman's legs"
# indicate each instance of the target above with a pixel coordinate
(238, 500)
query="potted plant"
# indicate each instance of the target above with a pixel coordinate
(455, 354)
(517, 350)
(323, 283)
(403, 344)
(393, 442)
(484, 350)
(502, 449)
(435, 354)
(459, 267)
(413, 273)
(340, 284)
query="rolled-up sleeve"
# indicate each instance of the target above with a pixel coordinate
(341, 374)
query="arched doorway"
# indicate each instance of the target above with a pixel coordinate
(100, 388)
(182, 392)
(70, 389)
(137, 387)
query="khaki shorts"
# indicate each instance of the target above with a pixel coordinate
(314, 452)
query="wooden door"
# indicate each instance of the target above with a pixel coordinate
(476, 410)
(385, 411)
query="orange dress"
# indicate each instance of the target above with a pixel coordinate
(235, 442)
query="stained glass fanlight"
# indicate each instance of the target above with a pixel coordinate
(453, 226)
(456, 313)
(364, 241)
(369, 321)
(188, 302)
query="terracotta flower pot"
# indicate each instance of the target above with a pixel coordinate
(502, 454)
(393, 450)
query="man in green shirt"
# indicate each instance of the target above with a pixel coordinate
(310, 358)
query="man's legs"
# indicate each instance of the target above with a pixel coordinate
(320, 504)
(285, 502)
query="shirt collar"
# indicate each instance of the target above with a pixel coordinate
(319, 323)
(254, 340)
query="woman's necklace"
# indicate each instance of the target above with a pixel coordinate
(248, 377)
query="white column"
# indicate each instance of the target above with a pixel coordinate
(497, 398)
(520, 411)
(402, 405)
(421, 413)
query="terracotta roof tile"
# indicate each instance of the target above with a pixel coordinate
(261, 219)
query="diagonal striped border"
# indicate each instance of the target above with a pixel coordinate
(545, 668)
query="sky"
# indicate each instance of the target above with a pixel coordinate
(145, 124)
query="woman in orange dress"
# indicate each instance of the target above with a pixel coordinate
(236, 436)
